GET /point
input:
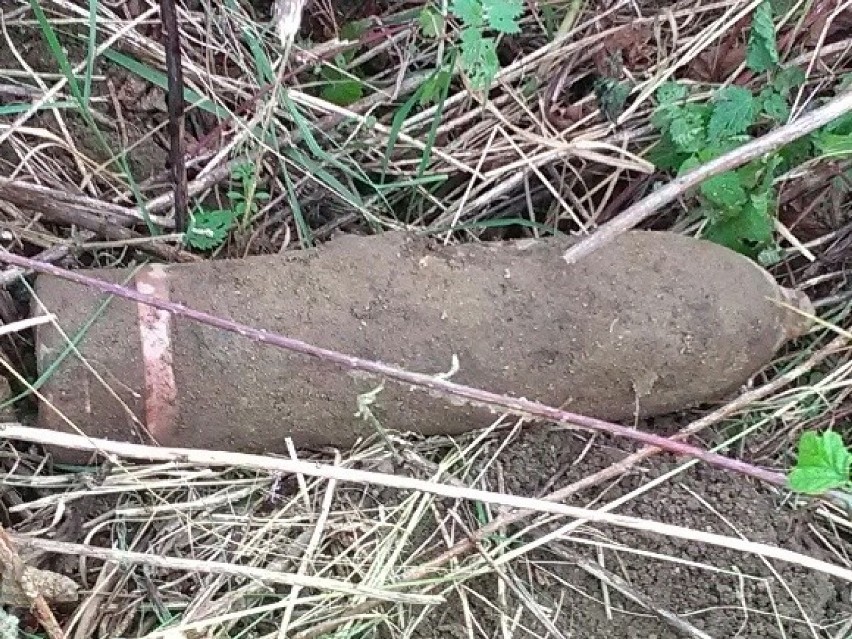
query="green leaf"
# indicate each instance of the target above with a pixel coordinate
(665, 155)
(688, 131)
(612, 96)
(787, 79)
(479, 58)
(833, 144)
(822, 463)
(751, 174)
(724, 190)
(433, 87)
(796, 152)
(688, 164)
(354, 30)
(342, 92)
(468, 11)
(208, 229)
(431, 22)
(774, 105)
(747, 231)
(671, 93)
(841, 125)
(502, 15)
(762, 52)
(733, 113)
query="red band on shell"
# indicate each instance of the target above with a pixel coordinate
(155, 333)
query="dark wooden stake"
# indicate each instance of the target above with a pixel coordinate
(168, 15)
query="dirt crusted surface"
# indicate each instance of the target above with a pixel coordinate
(638, 326)
(721, 592)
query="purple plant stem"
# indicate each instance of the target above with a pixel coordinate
(474, 395)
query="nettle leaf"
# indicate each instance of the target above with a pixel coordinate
(832, 144)
(671, 93)
(502, 15)
(841, 125)
(612, 96)
(691, 162)
(822, 463)
(687, 130)
(342, 92)
(795, 152)
(747, 231)
(734, 112)
(762, 52)
(774, 105)
(208, 229)
(787, 79)
(433, 87)
(479, 57)
(468, 11)
(725, 190)
(665, 154)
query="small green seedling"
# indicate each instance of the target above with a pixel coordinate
(478, 51)
(208, 228)
(823, 464)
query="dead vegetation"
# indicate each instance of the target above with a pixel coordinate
(367, 126)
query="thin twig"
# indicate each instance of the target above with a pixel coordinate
(735, 158)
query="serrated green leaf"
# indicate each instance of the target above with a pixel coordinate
(671, 93)
(502, 15)
(208, 229)
(688, 164)
(822, 463)
(750, 174)
(787, 79)
(711, 151)
(762, 52)
(687, 130)
(747, 231)
(841, 125)
(734, 112)
(479, 58)
(796, 152)
(662, 116)
(468, 11)
(724, 190)
(774, 105)
(433, 87)
(665, 155)
(354, 30)
(431, 22)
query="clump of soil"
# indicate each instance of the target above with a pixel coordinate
(724, 593)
